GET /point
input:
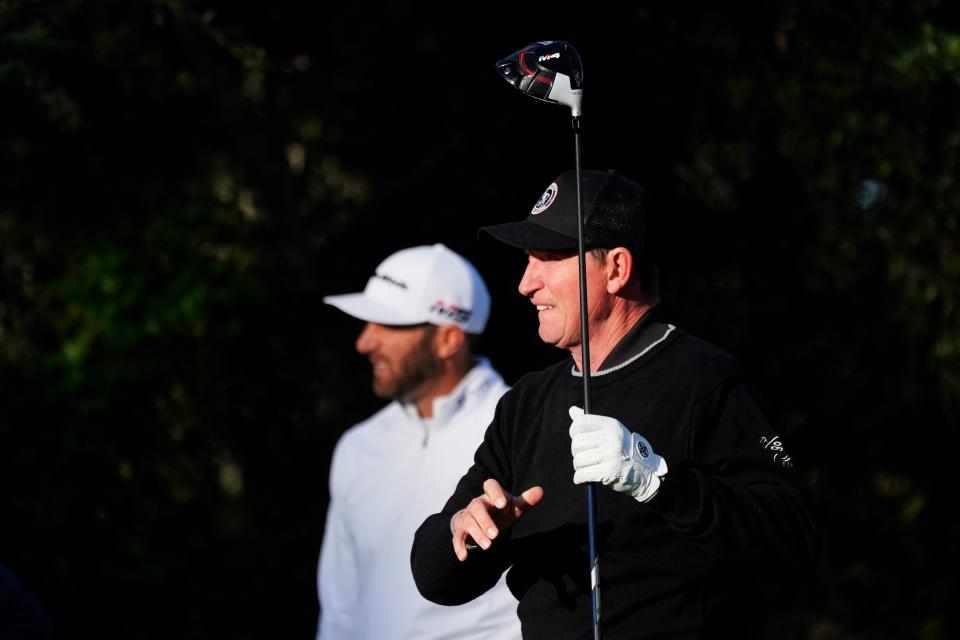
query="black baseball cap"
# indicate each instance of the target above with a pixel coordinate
(616, 213)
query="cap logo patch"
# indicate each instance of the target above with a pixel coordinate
(545, 200)
(451, 311)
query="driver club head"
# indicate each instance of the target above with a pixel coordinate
(549, 70)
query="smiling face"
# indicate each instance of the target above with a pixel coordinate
(551, 282)
(405, 365)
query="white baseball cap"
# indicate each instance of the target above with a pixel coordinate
(418, 285)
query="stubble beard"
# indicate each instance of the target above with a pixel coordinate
(413, 373)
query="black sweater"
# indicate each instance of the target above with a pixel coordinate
(729, 508)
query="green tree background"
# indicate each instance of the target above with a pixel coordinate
(184, 179)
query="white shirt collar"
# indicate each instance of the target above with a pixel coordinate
(446, 407)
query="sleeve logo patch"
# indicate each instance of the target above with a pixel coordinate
(774, 445)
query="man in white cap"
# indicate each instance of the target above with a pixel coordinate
(424, 306)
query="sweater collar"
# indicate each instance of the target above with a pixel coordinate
(632, 343)
(644, 335)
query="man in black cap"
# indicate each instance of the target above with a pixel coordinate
(700, 494)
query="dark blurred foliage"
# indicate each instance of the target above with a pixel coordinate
(184, 180)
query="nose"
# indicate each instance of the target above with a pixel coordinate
(367, 340)
(531, 281)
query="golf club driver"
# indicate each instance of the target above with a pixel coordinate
(551, 71)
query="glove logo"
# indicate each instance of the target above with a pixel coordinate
(642, 449)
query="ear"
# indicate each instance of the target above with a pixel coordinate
(447, 341)
(619, 269)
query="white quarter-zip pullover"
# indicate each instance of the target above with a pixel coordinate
(388, 474)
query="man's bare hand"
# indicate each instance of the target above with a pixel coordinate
(486, 516)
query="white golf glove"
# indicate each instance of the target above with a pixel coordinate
(606, 451)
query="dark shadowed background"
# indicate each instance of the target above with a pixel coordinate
(183, 180)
